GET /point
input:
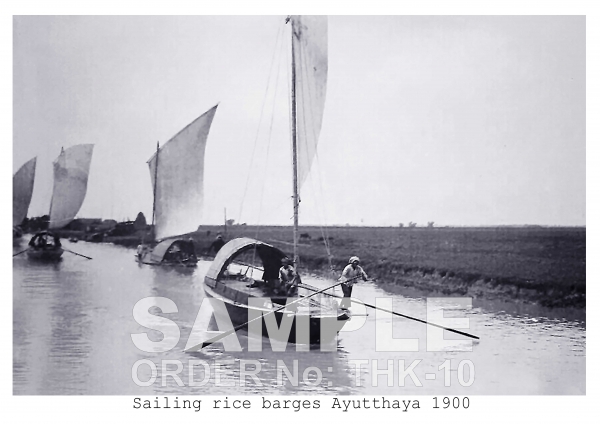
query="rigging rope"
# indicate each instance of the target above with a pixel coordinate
(266, 168)
(275, 62)
(278, 41)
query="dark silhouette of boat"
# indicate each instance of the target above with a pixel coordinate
(233, 279)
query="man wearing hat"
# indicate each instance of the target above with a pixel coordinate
(350, 275)
(288, 277)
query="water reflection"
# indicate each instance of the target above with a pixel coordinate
(72, 326)
(185, 289)
(69, 336)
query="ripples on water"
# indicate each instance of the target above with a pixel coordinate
(73, 321)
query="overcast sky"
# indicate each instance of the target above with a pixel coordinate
(457, 120)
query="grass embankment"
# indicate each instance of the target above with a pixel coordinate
(532, 264)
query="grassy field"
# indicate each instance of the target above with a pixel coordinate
(534, 264)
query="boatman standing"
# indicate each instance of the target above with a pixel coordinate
(352, 273)
(216, 245)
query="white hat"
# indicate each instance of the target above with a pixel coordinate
(353, 259)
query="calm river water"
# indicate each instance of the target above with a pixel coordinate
(73, 323)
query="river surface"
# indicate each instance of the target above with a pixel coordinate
(73, 321)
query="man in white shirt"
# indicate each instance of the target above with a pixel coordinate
(350, 275)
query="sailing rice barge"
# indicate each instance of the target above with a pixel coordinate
(71, 170)
(233, 280)
(177, 174)
(234, 277)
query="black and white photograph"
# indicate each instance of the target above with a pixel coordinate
(298, 212)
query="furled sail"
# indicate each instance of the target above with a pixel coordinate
(22, 191)
(71, 170)
(310, 61)
(179, 192)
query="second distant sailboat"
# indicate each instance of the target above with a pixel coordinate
(71, 170)
(177, 174)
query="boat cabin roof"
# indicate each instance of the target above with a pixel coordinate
(159, 251)
(270, 257)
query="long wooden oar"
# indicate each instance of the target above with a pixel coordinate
(239, 327)
(398, 314)
(75, 253)
(22, 251)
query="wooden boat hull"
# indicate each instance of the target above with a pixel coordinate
(234, 279)
(52, 254)
(146, 260)
(323, 328)
(162, 254)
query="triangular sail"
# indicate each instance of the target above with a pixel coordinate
(180, 175)
(310, 60)
(22, 191)
(71, 170)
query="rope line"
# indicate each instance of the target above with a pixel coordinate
(276, 48)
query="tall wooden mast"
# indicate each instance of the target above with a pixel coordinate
(154, 193)
(296, 198)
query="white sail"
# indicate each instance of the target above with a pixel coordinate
(310, 60)
(71, 170)
(22, 191)
(180, 190)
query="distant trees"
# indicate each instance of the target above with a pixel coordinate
(121, 229)
(35, 224)
(230, 222)
(411, 224)
(140, 222)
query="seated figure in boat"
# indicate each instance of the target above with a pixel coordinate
(45, 246)
(173, 254)
(38, 240)
(180, 252)
(288, 278)
(42, 241)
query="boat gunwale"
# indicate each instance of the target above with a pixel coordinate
(210, 291)
(45, 254)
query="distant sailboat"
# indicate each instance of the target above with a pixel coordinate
(177, 174)
(71, 170)
(22, 190)
(233, 267)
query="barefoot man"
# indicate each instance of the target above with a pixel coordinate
(350, 275)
